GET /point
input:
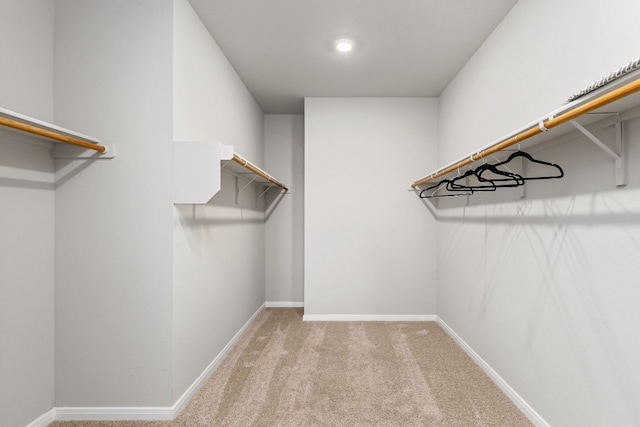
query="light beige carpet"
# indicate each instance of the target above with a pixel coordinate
(285, 372)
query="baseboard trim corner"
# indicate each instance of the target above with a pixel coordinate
(44, 420)
(181, 403)
(160, 413)
(284, 304)
(524, 407)
(369, 317)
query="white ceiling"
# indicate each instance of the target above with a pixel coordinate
(283, 49)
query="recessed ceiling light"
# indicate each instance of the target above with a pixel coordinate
(343, 45)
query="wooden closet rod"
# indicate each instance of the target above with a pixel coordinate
(258, 171)
(50, 134)
(587, 107)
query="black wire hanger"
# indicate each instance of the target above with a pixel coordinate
(505, 178)
(559, 172)
(439, 186)
(486, 185)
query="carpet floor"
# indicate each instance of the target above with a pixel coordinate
(286, 372)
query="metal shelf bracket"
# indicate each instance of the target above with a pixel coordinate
(265, 191)
(247, 184)
(617, 155)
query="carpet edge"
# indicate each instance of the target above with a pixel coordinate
(517, 400)
(181, 403)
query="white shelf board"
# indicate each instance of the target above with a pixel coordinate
(61, 150)
(197, 169)
(628, 108)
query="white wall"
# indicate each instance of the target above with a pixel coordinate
(114, 257)
(284, 228)
(545, 288)
(26, 280)
(118, 314)
(27, 57)
(564, 48)
(369, 247)
(219, 256)
(26, 216)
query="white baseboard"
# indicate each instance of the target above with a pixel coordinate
(154, 413)
(170, 413)
(44, 420)
(369, 317)
(187, 395)
(279, 304)
(158, 413)
(527, 410)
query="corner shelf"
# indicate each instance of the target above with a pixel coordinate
(68, 144)
(197, 166)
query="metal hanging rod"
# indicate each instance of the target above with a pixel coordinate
(57, 136)
(541, 126)
(253, 168)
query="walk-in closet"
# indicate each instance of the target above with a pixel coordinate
(347, 212)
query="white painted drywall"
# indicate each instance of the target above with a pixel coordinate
(26, 216)
(27, 57)
(369, 243)
(284, 158)
(114, 257)
(545, 289)
(218, 248)
(26, 280)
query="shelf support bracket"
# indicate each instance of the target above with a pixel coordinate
(620, 175)
(247, 184)
(265, 191)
